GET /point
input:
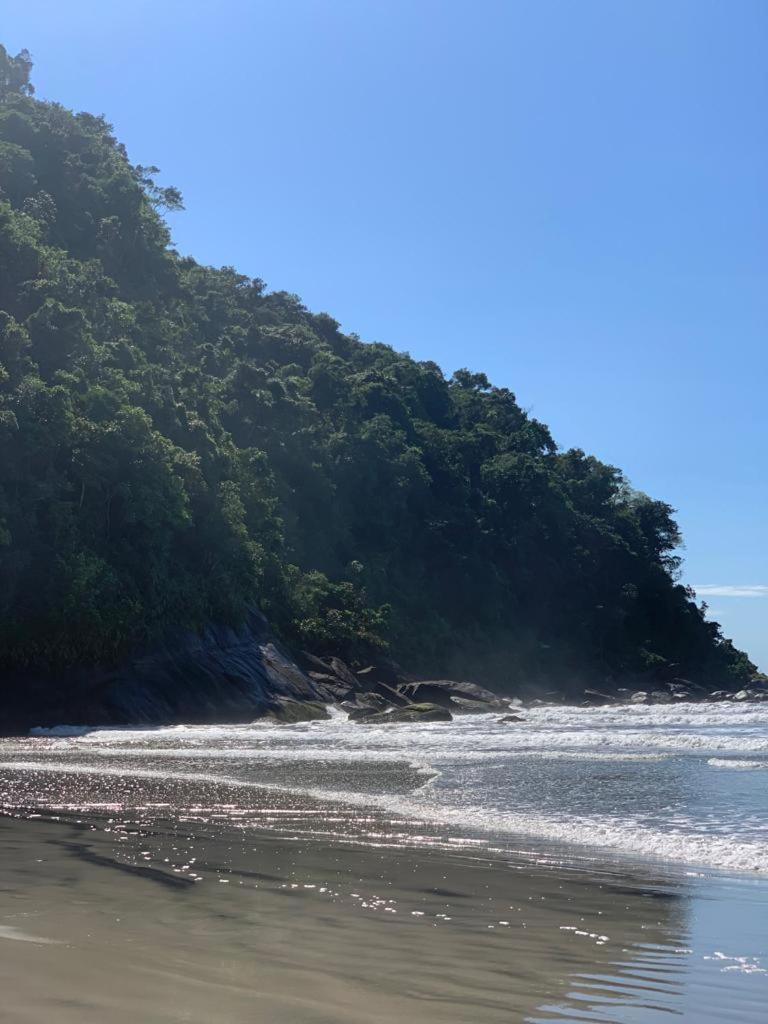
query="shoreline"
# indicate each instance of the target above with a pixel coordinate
(98, 924)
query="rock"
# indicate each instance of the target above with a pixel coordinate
(597, 697)
(391, 696)
(720, 695)
(511, 718)
(751, 695)
(291, 711)
(660, 697)
(344, 673)
(461, 705)
(357, 714)
(368, 702)
(639, 697)
(413, 713)
(440, 691)
(684, 684)
(219, 674)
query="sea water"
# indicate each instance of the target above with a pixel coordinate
(601, 864)
(684, 783)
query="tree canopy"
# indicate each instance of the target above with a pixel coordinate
(178, 444)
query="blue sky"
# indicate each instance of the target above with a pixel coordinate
(568, 196)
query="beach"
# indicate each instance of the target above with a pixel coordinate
(159, 887)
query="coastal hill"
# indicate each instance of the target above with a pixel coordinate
(181, 449)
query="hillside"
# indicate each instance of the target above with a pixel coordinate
(179, 445)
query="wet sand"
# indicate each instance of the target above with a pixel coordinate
(108, 920)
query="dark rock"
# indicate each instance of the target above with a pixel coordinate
(660, 697)
(217, 675)
(598, 697)
(391, 695)
(440, 691)
(291, 711)
(511, 718)
(344, 673)
(720, 695)
(423, 712)
(463, 706)
(331, 687)
(366, 702)
(358, 713)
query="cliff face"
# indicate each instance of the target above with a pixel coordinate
(219, 675)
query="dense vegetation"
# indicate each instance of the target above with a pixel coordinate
(177, 444)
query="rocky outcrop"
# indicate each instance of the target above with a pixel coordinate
(218, 675)
(238, 675)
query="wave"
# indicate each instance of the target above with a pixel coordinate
(720, 762)
(628, 837)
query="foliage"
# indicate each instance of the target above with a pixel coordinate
(177, 444)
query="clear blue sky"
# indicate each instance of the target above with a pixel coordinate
(569, 196)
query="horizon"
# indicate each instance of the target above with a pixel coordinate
(548, 280)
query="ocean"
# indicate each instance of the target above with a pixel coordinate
(585, 864)
(685, 783)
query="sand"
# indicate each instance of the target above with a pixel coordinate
(99, 926)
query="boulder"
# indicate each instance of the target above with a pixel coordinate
(423, 712)
(440, 691)
(720, 695)
(291, 711)
(464, 706)
(363, 704)
(344, 674)
(356, 714)
(511, 718)
(639, 697)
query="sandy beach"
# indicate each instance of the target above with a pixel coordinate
(114, 919)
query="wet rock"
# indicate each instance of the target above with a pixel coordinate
(356, 713)
(511, 718)
(364, 704)
(413, 713)
(441, 691)
(464, 706)
(639, 697)
(291, 711)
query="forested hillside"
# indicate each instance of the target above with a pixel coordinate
(178, 444)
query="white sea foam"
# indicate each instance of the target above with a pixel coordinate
(627, 837)
(721, 762)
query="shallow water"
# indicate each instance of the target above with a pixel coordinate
(585, 865)
(682, 783)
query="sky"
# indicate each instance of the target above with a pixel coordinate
(570, 197)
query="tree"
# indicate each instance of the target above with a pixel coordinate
(15, 73)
